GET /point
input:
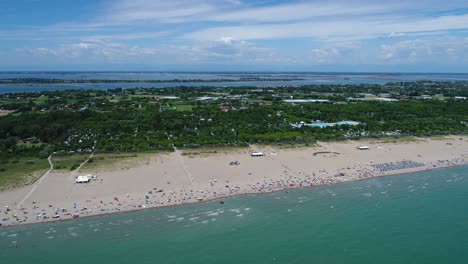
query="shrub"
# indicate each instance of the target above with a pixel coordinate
(74, 167)
(43, 154)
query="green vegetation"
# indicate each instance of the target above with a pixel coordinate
(121, 160)
(68, 162)
(398, 139)
(19, 171)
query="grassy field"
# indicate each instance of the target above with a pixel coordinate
(439, 137)
(118, 160)
(178, 106)
(21, 171)
(291, 145)
(68, 162)
(390, 139)
(40, 100)
(183, 108)
(212, 150)
(5, 112)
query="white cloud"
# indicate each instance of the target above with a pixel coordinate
(209, 20)
(396, 35)
(112, 52)
(176, 11)
(83, 52)
(298, 11)
(435, 50)
(124, 36)
(228, 31)
(348, 28)
(156, 10)
(337, 53)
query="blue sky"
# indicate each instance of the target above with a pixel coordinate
(231, 35)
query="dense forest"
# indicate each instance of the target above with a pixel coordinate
(136, 120)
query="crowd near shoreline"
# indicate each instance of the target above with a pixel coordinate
(165, 180)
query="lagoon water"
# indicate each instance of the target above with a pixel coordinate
(413, 218)
(294, 79)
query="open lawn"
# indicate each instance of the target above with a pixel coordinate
(5, 112)
(184, 108)
(212, 150)
(281, 145)
(119, 160)
(68, 162)
(20, 171)
(384, 140)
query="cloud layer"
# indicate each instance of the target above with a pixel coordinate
(298, 33)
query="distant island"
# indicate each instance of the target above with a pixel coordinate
(54, 81)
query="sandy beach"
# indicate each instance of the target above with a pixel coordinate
(193, 176)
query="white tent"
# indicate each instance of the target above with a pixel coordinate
(363, 148)
(257, 154)
(83, 179)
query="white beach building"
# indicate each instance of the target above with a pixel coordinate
(257, 154)
(84, 179)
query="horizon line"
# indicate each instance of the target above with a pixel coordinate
(223, 72)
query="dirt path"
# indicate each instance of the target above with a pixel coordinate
(20, 204)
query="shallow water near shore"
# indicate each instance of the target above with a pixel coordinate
(414, 218)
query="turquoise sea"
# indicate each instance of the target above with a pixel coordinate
(413, 218)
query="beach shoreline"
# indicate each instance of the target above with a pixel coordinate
(225, 197)
(190, 179)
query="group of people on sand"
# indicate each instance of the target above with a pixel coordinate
(397, 165)
(213, 189)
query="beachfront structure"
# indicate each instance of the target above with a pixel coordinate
(298, 101)
(206, 98)
(84, 179)
(372, 99)
(322, 124)
(363, 148)
(167, 98)
(257, 154)
(226, 108)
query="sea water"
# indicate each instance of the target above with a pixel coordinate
(413, 218)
